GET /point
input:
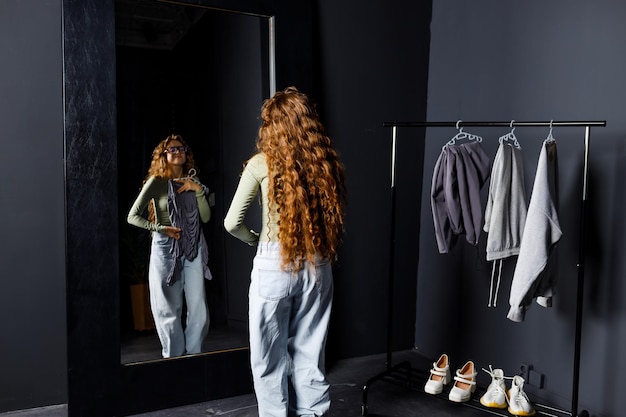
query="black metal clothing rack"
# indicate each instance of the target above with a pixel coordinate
(391, 371)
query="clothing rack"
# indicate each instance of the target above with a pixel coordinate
(404, 368)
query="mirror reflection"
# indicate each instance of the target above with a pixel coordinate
(177, 206)
(200, 75)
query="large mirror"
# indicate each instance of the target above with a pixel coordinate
(201, 73)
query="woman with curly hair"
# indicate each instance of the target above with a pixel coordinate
(301, 182)
(177, 204)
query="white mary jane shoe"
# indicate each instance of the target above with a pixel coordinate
(439, 376)
(464, 383)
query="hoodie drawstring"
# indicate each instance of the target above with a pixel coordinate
(491, 292)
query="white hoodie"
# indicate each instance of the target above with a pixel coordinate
(533, 277)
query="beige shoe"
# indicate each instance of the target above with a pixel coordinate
(439, 376)
(464, 383)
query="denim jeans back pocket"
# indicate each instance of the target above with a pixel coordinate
(273, 284)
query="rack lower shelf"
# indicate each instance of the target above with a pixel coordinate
(404, 375)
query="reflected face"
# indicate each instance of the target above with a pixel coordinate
(176, 153)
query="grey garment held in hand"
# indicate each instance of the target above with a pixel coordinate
(183, 213)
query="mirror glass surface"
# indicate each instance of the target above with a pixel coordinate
(203, 74)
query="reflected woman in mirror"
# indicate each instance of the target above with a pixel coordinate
(177, 204)
(301, 183)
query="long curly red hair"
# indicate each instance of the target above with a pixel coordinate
(158, 165)
(306, 178)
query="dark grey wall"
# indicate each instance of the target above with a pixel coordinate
(533, 60)
(372, 63)
(32, 206)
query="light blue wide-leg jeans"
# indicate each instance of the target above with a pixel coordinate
(167, 301)
(289, 313)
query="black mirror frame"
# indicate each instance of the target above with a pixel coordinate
(98, 384)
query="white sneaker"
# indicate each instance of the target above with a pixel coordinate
(519, 404)
(496, 395)
(439, 376)
(464, 383)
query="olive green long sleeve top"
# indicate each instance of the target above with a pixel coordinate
(156, 189)
(254, 178)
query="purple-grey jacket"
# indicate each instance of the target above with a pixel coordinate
(460, 173)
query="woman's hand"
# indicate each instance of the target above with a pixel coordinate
(188, 185)
(173, 232)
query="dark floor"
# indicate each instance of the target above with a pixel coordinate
(348, 379)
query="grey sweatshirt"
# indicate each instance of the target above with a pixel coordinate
(533, 276)
(505, 214)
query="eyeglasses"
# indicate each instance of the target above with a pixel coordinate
(176, 149)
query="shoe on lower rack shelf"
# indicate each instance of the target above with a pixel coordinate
(519, 404)
(439, 376)
(496, 395)
(464, 383)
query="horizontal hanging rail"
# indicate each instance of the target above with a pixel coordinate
(461, 123)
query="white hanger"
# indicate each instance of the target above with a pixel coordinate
(510, 137)
(550, 137)
(462, 135)
(191, 174)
